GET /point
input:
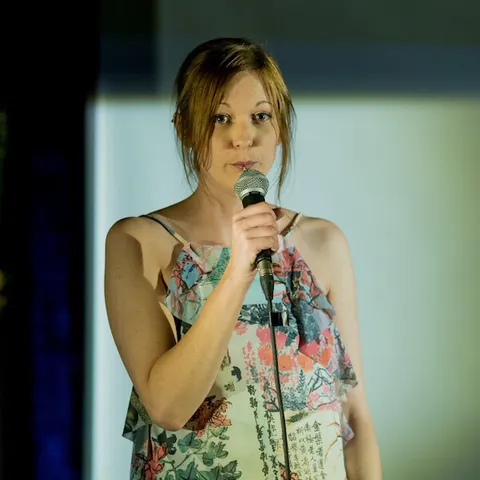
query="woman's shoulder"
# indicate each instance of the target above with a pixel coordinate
(147, 224)
(320, 228)
(141, 228)
(320, 242)
(146, 232)
(311, 228)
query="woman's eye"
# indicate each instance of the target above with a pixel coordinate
(262, 117)
(220, 119)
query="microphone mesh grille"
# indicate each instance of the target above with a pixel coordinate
(251, 180)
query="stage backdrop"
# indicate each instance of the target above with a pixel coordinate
(387, 147)
(399, 175)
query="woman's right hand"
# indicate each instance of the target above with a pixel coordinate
(254, 229)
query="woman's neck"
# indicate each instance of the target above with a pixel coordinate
(211, 215)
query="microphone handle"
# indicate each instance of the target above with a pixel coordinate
(251, 199)
(263, 261)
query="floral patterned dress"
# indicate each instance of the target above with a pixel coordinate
(236, 432)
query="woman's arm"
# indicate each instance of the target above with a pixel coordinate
(362, 455)
(171, 379)
(331, 261)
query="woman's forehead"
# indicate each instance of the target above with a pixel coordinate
(245, 86)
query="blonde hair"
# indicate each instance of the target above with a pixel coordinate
(199, 88)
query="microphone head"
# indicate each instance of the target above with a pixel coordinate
(251, 180)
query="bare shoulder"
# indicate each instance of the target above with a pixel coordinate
(142, 240)
(322, 244)
(322, 233)
(132, 226)
(316, 231)
(145, 230)
(137, 227)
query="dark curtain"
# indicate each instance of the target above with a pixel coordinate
(48, 74)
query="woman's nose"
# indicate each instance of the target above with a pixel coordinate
(242, 136)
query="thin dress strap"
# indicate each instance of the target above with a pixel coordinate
(293, 223)
(167, 228)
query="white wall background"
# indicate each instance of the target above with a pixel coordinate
(401, 176)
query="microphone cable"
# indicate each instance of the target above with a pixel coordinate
(279, 392)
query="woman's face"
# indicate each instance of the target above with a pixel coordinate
(245, 133)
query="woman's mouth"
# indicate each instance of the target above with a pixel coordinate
(243, 165)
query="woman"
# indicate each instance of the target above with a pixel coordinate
(188, 316)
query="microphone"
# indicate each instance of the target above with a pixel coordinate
(251, 188)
